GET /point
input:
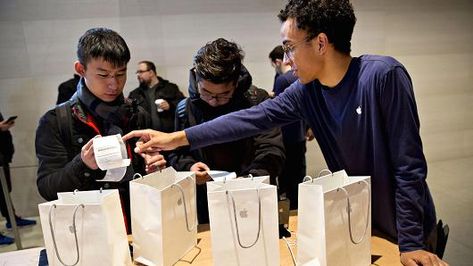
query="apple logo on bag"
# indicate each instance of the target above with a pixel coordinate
(179, 202)
(244, 213)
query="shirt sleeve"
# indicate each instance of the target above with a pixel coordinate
(407, 157)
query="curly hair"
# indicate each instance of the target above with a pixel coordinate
(219, 62)
(335, 18)
(103, 43)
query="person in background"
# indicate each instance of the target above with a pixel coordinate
(67, 89)
(362, 112)
(219, 84)
(64, 137)
(6, 155)
(294, 134)
(157, 96)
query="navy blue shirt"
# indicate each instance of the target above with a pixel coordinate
(368, 125)
(294, 132)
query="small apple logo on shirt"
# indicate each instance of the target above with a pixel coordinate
(358, 110)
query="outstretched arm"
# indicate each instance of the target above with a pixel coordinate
(152, 140)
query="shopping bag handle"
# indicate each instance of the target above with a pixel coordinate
(189, 228)
(236, 220)
(73, 228)
(352, 238)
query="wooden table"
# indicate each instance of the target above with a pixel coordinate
(386, 253)
(383, 252)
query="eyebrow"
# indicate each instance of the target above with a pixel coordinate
(106, 70)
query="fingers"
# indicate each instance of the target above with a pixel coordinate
(199, 167)
(87, 154)
(421, 257)
(201, 178)
(135, 134)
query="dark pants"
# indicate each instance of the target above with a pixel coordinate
(294, 171)
(3, 204)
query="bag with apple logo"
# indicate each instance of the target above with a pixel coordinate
(243, 216)
(85, 228)
(163, 216)
(334, 220)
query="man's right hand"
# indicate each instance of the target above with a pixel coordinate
(87, 154)
(201, 173)
(152, 140)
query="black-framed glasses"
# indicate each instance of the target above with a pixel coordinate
(141, 71)
(290, 48)
(219, 97)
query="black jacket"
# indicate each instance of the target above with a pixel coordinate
(165, 90)
(259, 155)
(6, 146)
(262, 154)
(60, 166)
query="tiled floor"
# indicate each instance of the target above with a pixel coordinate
(451, 183)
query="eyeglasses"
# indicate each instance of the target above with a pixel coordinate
(290, 48)
(139, 72)
(219, 97)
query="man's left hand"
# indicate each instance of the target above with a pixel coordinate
(164, 105)
(154, 161)
(421, 257)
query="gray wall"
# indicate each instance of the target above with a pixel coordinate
(433, 39)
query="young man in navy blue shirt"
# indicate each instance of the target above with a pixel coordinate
(362, 112)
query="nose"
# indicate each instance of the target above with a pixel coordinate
(287, 60)
(112, 82)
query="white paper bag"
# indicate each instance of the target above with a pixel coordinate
(163, 216)
(334, 220)
(244, 222)
(85, 228)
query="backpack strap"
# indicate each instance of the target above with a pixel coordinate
(64, 122)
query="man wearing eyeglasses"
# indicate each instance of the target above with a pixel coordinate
(220, 84)
(362, 112)
(156, 95)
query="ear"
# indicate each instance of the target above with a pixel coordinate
(322, 43)
(80, 69)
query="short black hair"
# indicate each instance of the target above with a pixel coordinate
(335, 18)
(103, 43)
(276, 53)
(219, 61)
(149, 65)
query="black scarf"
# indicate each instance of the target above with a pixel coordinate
(113, 115)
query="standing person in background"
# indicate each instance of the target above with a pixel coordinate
(67, 89)
(6, 155)
(362, 111)
(219, 84)
(157, 96)
(294, 134)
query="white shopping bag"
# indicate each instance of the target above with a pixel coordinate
(163, 216)
(85, 228)
(244, 222)
(334, 220)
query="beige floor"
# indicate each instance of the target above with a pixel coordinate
(451, 183)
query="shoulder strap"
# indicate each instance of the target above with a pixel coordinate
(182, 111)
(256, 95)
(64, 122)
